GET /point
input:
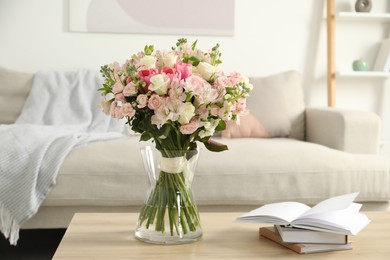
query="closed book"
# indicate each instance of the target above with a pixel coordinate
(299, 235)
(382, 62)
(301, 248)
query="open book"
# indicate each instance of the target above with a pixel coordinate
(338, 214)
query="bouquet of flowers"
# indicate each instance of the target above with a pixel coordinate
(176, 98)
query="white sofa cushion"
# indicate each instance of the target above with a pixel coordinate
(15, 87)
(251, 173)
(277, 102)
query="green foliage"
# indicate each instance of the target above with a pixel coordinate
(109, 80)
(215, 55)
(148, 49)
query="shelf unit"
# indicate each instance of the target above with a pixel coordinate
(385, 17)
(331, 67)
(363, 74)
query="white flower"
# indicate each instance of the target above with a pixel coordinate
(206, 70)
(186, 112)
(149, 62)
(160, 116)
(209, 127)
(169, 60)
(159, 84)
(105, 105)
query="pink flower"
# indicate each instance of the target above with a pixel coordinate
(222, 81)
(240, 105)
(130, 90)
(168, 70)
(145, 75)
(115, 111)
(127, 110)
(184, 69)
(120, 97)
(142, 101)
(155, 101)
(214, 110)
(196, 84)
(112, 108)
(117, 88)
(202, 112)
(236, 77)
(190, 128)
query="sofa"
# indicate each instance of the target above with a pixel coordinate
(311, 154)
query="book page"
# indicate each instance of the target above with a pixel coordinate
(347, 221)
(276, 213)
(332, 204)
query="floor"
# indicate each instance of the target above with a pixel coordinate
(37, 244)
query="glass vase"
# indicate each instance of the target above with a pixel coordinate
(169, 214)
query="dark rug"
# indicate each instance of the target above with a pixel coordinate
(33, 244)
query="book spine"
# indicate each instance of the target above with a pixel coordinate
(267, 233)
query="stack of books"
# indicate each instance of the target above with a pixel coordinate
(305, 241)
(324, 227)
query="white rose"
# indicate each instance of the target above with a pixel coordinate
(159, 84)
(206, 70)
(148, 62)
(169, 60)
(245, 79)
(186, 113)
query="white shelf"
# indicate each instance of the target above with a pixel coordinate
(363, 16)
(363, 74)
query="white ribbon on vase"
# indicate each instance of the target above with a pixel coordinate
(173, 165)
(177, 165)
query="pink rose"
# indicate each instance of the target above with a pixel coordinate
(120, 97)
(115, 110)
(168, 70)
(155, 101)
(145, 75)
(142, 101)
(190, 128)
(196, 85)
(127, 110)
(117, 88)
(184, 69)
(130, 90)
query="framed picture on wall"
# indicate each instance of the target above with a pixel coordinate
(188, 17)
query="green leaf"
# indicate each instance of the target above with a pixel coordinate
(195, 60)
(167, 130)
(193, 46)
(221, 126)
(215, 146)
(145, 136)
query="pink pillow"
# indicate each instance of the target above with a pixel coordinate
(248, 127)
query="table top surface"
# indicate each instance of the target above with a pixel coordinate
(111, 236)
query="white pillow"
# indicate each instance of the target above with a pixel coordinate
(277, 102)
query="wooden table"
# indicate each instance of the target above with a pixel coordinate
(111, 236)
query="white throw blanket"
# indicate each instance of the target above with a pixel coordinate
(60, 114)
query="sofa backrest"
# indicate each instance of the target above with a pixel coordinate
(14, 88)
(277, 99)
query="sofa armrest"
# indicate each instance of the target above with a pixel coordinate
(345, 130)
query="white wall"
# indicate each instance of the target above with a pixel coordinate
(270, 36)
